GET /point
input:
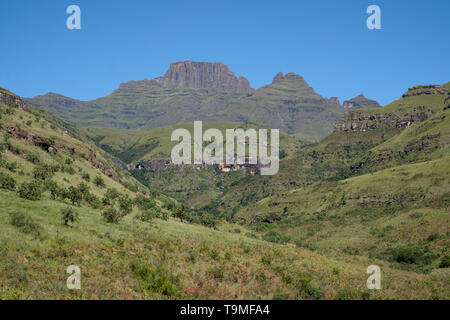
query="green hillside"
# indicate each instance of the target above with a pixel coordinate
(151, 151)
(58, 199)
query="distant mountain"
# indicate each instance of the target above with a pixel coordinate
(360, 102)
(204, 91)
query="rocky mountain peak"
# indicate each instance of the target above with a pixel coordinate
(360, 101)
(203, 75)
(289, 76)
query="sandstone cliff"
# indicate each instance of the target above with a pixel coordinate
(203, 75)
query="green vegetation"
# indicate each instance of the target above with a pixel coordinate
(375, 194)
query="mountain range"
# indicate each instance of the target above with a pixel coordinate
(359, 184)
(209, 92)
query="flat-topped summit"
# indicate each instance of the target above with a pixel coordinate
(203, 75)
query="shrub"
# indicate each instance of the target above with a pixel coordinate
(74, 195)
(112, 193)
(144, 203)
(92, 200)
(99, 182)
(251, 235)
(68, 161)
(67, 169)
(111, 215)
(69, 215)
(43, 172)
(11, 166)
(33, 158)
(445, 262)
(148, 215)
(181, 212)
(276, 237)
(86, 177)
(30, 190)
(125, 205)
(412, 254)
(157, 279)
(25, 223)
(306, 244)
(7, 182)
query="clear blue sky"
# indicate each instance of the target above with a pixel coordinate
(327, 42)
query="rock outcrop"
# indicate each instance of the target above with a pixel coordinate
(360, 102)
(362, 121)
(203, 75)
(10, 99)
(428, 89)
(289, 76)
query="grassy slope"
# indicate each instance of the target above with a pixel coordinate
(166, 259)
(197, 187)
(402, 200)
(135, 145)
(134, 260)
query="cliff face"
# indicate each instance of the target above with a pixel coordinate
(402, 113)
(203, 75)
(7, 98)
(428, 89)
(363, 121)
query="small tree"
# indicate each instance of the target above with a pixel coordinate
(69, 215)
(125, 205)
(99, 182)
(74, 195)
(7, 182)
(30, 190)
(181, 212)
(111, 215)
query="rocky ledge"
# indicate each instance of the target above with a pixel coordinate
(427, 89)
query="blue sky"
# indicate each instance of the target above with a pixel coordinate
(327, 42)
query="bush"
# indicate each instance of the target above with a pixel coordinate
(7, 182)
(181, 212)
(125, 205)
(148, 215)
(144, 203)
(67, 169)
(276, 237)
(74, 195)
(30, 190)
(25, 223)
(412, 254)
(86, 177)
(92, 200)
(33, 158)
(445, 262)
(69, 215)
(43, 172)
(305, 244)
(111, 215)
(99, 182)
(112, 194)
(156, 279)
(200, 217)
